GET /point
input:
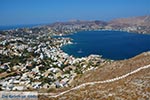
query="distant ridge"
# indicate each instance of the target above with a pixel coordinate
(139, 21)
(139, 24)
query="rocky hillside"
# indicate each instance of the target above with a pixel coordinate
(139, 21)
(133, 87)
(140, 24)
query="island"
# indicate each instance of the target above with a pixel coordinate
(31, 58)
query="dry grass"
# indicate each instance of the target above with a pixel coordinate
(136, 86)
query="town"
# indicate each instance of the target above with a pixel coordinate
(31, 58)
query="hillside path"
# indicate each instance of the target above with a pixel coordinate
(96, 82)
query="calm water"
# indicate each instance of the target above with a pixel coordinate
(110, 44)
(17, 26)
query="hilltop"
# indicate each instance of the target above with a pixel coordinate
(137, 21)
(139, 24)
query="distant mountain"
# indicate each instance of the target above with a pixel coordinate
(139, 24)
(122, 22)
(79, 22)
(137, 21)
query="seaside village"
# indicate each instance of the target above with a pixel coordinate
(32, 59)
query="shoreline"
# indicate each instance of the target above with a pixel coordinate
(34, 55)
(68, 36)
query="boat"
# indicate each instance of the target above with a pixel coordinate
(80, 51)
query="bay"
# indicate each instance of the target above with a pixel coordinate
(115, 45)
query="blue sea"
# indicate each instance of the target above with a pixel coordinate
(115, 45)
(8, 27)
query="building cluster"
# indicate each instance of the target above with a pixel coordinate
(30, 60)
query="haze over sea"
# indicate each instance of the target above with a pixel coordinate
(114, 45)
(11, 27)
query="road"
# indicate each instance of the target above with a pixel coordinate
(96, 82)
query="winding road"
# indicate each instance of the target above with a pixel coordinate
(97, 82)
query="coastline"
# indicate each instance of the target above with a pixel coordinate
(76, 53)
(122, 74)
(38, 56)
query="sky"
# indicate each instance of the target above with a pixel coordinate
(16, 12)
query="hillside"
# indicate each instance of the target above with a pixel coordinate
(133, 87)
(139, 21)
(139, 24)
